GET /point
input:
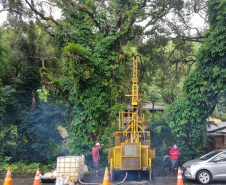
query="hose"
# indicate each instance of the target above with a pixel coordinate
(94, 183)
(123, 179)
(135, 182)
(79, 176)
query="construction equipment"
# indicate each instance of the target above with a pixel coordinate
(132, 151)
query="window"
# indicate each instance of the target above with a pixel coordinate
(221, 157)
(209, 155)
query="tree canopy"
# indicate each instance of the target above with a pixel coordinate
(202, 87)
(75, 70)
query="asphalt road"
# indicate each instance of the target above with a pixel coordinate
(157, 181)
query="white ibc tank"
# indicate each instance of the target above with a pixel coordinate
(69, 165)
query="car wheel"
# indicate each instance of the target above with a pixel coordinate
(204, 177)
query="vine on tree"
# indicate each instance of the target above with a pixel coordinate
(188, 115)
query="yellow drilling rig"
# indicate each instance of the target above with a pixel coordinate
(132, 151)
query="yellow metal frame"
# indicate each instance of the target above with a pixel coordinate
(150, 170)
(131, 129)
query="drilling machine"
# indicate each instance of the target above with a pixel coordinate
(132, 151)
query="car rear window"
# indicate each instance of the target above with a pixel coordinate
(209, 155)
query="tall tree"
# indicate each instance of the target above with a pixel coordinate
(91, 34)
(201, 89)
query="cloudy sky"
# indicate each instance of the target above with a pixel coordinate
(3, 16)
(197, 21)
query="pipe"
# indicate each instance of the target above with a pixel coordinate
(144, 139)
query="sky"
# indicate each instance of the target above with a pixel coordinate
(3, 16)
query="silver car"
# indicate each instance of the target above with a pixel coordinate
(208, 167)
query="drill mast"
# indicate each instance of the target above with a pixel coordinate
(132, 143)
(137, 124)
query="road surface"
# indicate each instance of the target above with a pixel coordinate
(157, 181)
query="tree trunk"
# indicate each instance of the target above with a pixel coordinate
(43, 63)
(153, 112)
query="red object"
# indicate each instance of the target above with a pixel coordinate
(95, 152)
(174, 156)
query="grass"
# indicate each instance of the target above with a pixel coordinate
(21, 169)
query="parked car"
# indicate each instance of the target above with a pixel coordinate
(208, 167)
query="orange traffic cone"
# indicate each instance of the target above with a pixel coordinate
(8, 179)
(72, 182)
(106, 180)
(37, 178)
(179, 177)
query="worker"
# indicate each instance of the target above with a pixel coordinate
(174, 153)
(96, 157)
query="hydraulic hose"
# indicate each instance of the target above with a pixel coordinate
(122, 181)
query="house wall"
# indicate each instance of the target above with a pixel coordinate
(219, 142)
(217, 120)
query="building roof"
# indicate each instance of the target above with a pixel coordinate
(217, 118)
(215, 134)
(217, 127)
(149, 106)
(223, 130)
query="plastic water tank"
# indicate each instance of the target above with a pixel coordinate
(70, 165)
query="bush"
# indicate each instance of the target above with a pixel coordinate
(21, 169)
(158, 160)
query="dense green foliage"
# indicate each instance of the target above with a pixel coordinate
(75, 72)
(91, 79)
(2, 73)
(161, 138)
(202, 87)
(22, 170)
(30, 124)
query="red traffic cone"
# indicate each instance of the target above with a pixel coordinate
(8, 179)
(72, 181)
(37, 178)
(106, 180)
(179, 177)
